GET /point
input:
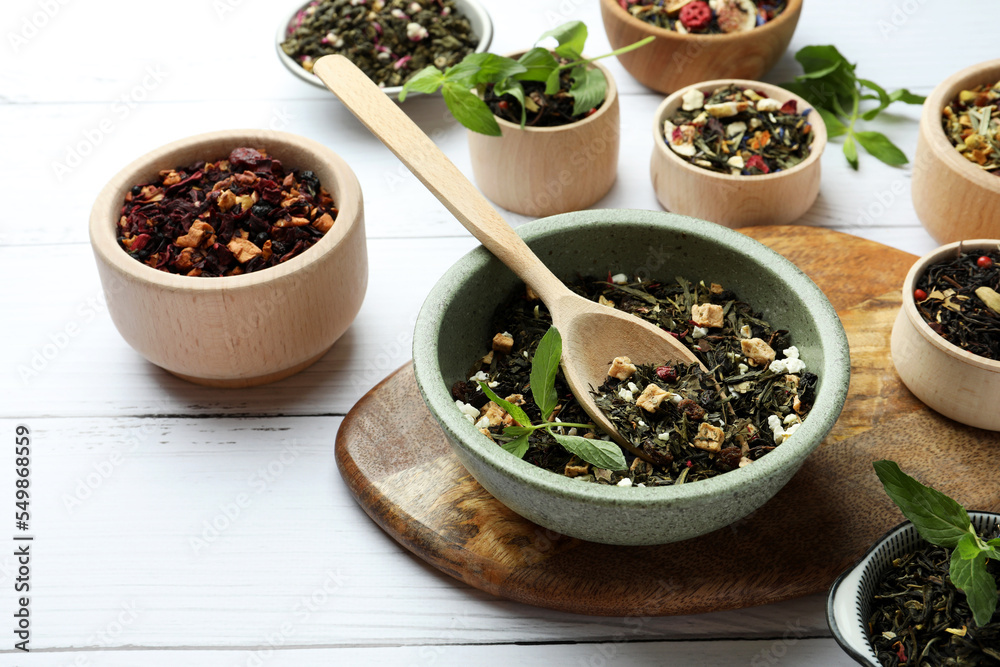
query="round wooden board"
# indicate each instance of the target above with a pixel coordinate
(400, 468)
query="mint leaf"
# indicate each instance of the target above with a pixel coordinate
(851, 152)
(588, 89)
(427, 80)
(514, 88)
(571, 37)
(518, 447)
(538, 64)
(881, 147)
(596, 452)
(834, 128)
(971, 577)
(479, 68)
(544, 366)
(514, 411)
(469, 110)
(939, 519)
(883, 99)
(518, 431)
(967, 547)
(906, 97)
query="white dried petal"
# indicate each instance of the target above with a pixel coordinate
(736, 128)
(768, 104)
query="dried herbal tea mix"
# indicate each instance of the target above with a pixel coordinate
(738, 131)
(972, 121)
(387, 39)
(690, 425)
(235, 215)
(960, 300)
(705, 18)
(937, 605)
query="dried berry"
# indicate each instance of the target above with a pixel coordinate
(694, 411)
(919, 294)
(984, 262)
(223, 218)
(666, 373)
(729, 459)
(696, 15)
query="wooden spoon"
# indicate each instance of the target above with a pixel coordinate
(593, 335)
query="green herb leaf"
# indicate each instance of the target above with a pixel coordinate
(518, 447)
(513, 410)
(427, 80)
(516, 90)
(518, 431)
(596, 452)
(469, 110)
(480, 68)
(883, 98)
(939, 519)
(980, 589)
(851, 152)
(588, 89)
(906, 97)
(967, 547)
(544, 366)
(879, 146)
(834, 128)
(552, 83)
(571, 37)
(538, 64)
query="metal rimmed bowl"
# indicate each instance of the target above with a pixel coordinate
(455, 323)
(478, 17)
(850, 601)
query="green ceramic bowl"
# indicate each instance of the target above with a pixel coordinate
(453, 329)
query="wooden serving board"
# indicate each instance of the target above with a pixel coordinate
(400, 468)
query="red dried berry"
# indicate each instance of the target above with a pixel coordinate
(696, 15)
(919, 294)
(503, 105)
(592, 111)
(757, 162)
(984, 262)
(790, 107)
(666, 373)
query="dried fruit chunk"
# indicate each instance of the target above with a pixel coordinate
(709, 438)
(622, 368)
(707, 315)
(651, 398)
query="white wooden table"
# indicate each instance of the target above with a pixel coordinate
(179, 525)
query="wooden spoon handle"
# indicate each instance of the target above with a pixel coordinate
(414, 148)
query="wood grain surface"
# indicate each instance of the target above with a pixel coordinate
(399, 466)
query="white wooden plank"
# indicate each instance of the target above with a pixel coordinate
(202, 533)
(789, 653)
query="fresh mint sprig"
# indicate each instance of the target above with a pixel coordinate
(544, 366)
(943, 522)
(477, 70)
(838, 94)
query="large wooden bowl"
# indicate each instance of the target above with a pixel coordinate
(953, 197)
(958, 384)
(237, 331)
(674, 60)
(735, 201)
(548, 170)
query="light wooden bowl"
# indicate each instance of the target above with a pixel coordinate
(735, 201)
(237, 331)
(953, 198)
(547, 170)
(674, 60)
(479, 20)
(958, 384)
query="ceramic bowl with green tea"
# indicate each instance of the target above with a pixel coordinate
(457, 320)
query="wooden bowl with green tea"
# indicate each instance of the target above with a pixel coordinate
(963, 305)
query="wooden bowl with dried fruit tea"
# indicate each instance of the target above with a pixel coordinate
(771, 178)
(232, 258)
(942, 373)
(676, 59)
(956, 173)
(403, 45)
